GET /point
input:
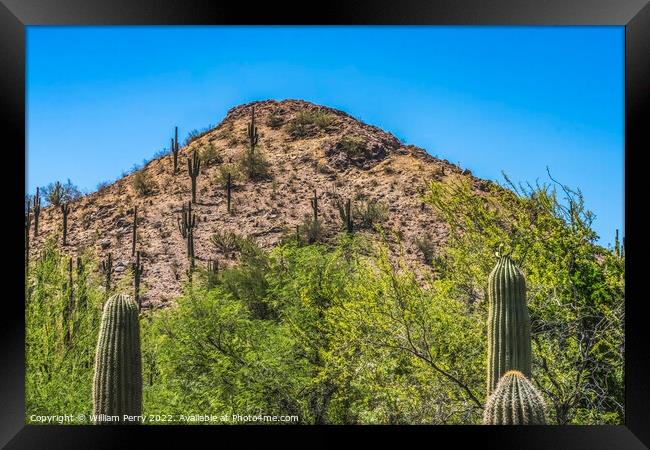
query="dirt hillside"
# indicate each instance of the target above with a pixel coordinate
(308, 148)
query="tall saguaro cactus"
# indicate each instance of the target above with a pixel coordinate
(509, 346)
(515, 401)
(186, 225)
(193, 168)
(65, 210)
(252, 131)
(37, 210)
(174, 149)
(117, 383)
(228, 190)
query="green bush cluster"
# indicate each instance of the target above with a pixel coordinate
(309, 123)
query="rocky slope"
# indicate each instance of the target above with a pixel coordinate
(309, 148)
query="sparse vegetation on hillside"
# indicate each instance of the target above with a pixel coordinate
(197, 134)
(275, 121)
(353, 146)
(211, 155)
(226, 242)
(58, 193)
(254, 166)
(225, 169)
(370, 212)
(142, 183)
(309, 123)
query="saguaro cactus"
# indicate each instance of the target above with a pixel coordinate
(107, 269)
(515, 401)
(193, 168)
(618, 248)
(137, 275)
(174, 149)
(186, 225)
(314, 206)
(346, 215)
(37, 210)
(252, 131)
(134, 236)
(65, 210)
(509, 345)
(117, 384)
(228, 190)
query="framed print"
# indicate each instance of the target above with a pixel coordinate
(371, 219)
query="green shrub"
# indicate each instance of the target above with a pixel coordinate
(227, 242)
(254, 165)
(310, 231)
(309, 123)
(197, 134)
(275, 121)
(353, 146)
(61, 326)
(58, 193)
(426, 246)
(370, 213)
(221, 176)
(210, 155)
(142, 183)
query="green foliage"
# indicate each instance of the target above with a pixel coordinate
(275, 121)
(142, 183)
(353, 146)
(301, 331)
(221, 177)
(254, 165)
(575, 288)
(117, 382)
(210, 155)
(509, 345)
(310, 230)
(62, 322)
(370, 213)
(309, 123)
(226, 242)
(426, 246)
(57, 193)
(196, 134)
(515, 401)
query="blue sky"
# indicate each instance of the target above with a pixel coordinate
(517, 99)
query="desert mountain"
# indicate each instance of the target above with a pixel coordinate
(308, 148)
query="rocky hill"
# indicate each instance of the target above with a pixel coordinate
(308, 148)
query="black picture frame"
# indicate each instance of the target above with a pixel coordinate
(634, 15)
